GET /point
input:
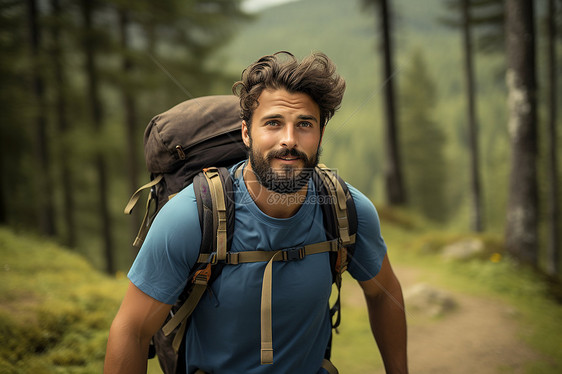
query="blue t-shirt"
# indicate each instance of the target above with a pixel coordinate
(224, 334)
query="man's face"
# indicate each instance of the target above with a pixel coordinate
(284, 140)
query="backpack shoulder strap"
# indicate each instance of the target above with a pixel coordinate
(340, 215)
(340, 223)
(215, 205)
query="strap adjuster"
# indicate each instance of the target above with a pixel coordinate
(292, 254)
(202, 276)
(232, 258)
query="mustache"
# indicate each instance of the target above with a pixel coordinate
(285, 152)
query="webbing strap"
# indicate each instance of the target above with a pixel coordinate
(336, 190)
(336, 308)
(176, 343)
(219, 210)
(135, 198)
(266, 329)
(329, 367)
(266, 348)
(266, 353)
(235, 258)
(200, 280)
(238, 171)
(143, 229)
(186, 309)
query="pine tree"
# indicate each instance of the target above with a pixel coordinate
(61, 116)
(394, 184)
(13, 123)
(469, 16)
(46, 208)
(423, 142)
(553, 246)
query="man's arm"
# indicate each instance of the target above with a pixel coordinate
(138, 318)
(387, 317)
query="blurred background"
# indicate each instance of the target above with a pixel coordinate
(449, 123)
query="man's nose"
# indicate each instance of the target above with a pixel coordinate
(288, 138)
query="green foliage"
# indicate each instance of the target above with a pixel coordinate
(423, 142)
(354, 349)
(403, 218)
(160, 59)
(486, 20)
(55, 309)
(15, 159)
(354, 140)
(433, 242)
(172, 61)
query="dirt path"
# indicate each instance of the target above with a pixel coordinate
(480, 336)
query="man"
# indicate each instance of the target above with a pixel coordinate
(285, 107)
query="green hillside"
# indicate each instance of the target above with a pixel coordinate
(55, 309)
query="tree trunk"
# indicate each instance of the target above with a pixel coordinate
(96, 108)
(476, 223)
(63, 126)
(3, 195)
(553, 259)
(130, 120)
(45, 193)
(394, 183)
(522, 210)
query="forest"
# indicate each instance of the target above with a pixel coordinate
(450, 112)
(449, 124)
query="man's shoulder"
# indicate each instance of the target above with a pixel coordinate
(181, 207)
(363, 205)
(356, 194)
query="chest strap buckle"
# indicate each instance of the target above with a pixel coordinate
(292, 254)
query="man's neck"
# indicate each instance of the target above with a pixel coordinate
(274, 204)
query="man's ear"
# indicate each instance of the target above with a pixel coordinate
(245, 134)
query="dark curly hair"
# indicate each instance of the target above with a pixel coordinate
(315, 76)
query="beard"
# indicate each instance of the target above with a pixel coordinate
(287, 179)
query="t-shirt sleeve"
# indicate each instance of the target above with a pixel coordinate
(170, 249)
(370, 247)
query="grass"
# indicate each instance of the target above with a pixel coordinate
(55, 309)
(354, 349)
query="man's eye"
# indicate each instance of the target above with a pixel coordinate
(305, 124)
(272, 123)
